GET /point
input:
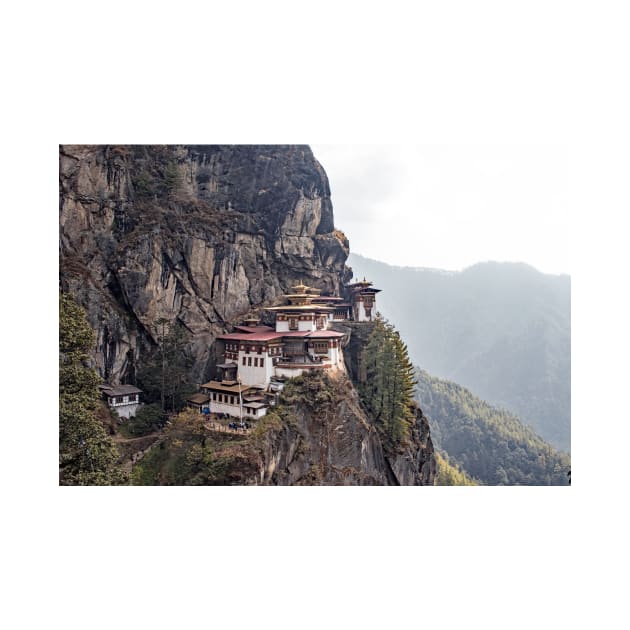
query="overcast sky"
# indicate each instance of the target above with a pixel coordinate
(451, 206)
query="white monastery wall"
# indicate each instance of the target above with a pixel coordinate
(252, 374)
(307, 325)
(235, 410)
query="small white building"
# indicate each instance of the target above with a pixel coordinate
(124, 399)
(363, 300)
(230, 398)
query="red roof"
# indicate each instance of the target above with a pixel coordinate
(269, 336)
(254, 329)
(261, 336)
(317, 334)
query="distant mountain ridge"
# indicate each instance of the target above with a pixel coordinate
(503, 330)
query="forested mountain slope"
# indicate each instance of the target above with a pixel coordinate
(449, 474)
(491, 445)
(501, 329)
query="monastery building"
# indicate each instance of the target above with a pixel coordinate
(257, 359)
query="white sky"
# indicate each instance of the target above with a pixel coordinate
(451, 206)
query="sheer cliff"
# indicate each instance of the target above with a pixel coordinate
(323, 436)
(197, 234)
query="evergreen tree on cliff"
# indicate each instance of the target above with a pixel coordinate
(87, 455)
(165, 373)
(388, 388)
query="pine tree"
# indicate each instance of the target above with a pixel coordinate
(87, 455)
(165, 374)
(388, 388)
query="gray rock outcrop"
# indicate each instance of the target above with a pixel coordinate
(339, 445)
(196, 234)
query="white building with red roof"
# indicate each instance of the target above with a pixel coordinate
(253, 351)
(257, 358)
(299, 342)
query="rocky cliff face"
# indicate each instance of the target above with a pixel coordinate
(336, 443)
(197, 234)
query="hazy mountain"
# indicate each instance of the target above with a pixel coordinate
(488, 444)
(501, 329)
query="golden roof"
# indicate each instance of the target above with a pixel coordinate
(300, 288)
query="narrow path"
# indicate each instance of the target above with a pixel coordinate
(122, 439)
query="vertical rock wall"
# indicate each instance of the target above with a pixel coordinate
(196, 234)
(340, 445)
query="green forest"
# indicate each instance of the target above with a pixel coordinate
(164, 375)
(451, 475)
(490, 445)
